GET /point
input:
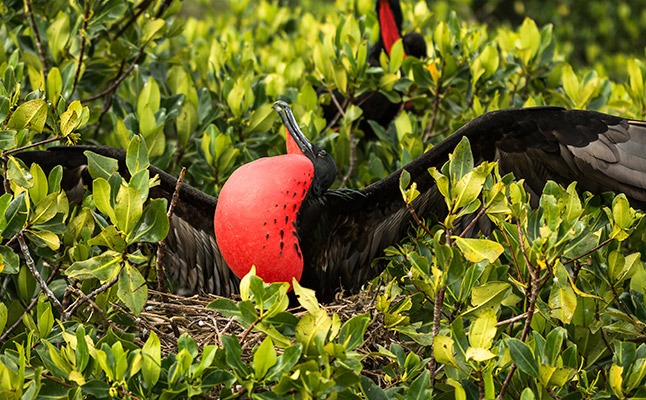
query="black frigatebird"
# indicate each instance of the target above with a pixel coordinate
(375, 106)
(280, 208)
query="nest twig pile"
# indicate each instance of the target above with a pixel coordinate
(170, 315)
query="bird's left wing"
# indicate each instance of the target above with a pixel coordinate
(192, 259)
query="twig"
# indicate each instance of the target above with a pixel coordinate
(161, 246)
(436, 108)
(417, 220)
(29, 146)
(83, 298)
(248, 330)
(534, 290)
(511, 320)
(437, 318)
(31, 305)
(481, 388)
(32, 268)
(597, 247)
(473, 222)
(39, 43)
(117, 81)
(86, 18)
(140, 10)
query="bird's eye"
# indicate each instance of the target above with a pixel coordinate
(321, 153)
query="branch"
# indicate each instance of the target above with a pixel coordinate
(86, 18)
(29, 146)
(161, 246)
(117, 81)
(437, 317)
(140, 10)
(39, 43)
(534, 290)
(32, 268)
(417, 220)
(436, 108)
(84, 298)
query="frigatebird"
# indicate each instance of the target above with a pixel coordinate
(376, 106)
(332, 236)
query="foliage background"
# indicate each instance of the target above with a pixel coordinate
(561, 315)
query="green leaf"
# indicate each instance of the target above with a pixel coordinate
(562, 303)
(420, 388)
(307, 298)
(352, 332)
(461, 160)
(615, 380)
(553, 344)
(153, 225)
(127, 209)
(262, 120)
(285, 362)
(264, 358)
(44, 238)
(187, 122)
(17, 173)
(100, 166)
(152, 29)
(523, 357)
(483, 330)
(45, 316)
(39, 188)
(137, 155)
(3, 316)
(103, 267)
(31, 114)
(9, 261)
(477, 250)
(71, 118)
(132, 289)
(54, 86)
(58, 34)
(151, 352)
(443, 349)
(16, 215)
(103, 198)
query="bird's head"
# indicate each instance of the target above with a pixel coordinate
(297, 143)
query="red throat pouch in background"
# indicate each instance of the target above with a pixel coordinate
(389, 31)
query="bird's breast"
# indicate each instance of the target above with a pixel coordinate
(255, 218)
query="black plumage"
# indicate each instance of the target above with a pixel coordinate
(342, 231)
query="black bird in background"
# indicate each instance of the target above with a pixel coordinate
(375, 106)
(340, 232)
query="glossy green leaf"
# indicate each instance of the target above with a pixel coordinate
(264, 358)
(127, 209)
(103, 267)
(31, 114)
(151, 352)
(523, 357)
(132, 289)
(101, 166)
(153, 225)
(477, 250)
(352, 332)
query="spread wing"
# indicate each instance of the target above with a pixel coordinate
(192, 260)
(343, 231)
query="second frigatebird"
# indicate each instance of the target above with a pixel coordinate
(280, 210)
(376, 106)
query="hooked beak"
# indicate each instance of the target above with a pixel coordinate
(293, 129)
